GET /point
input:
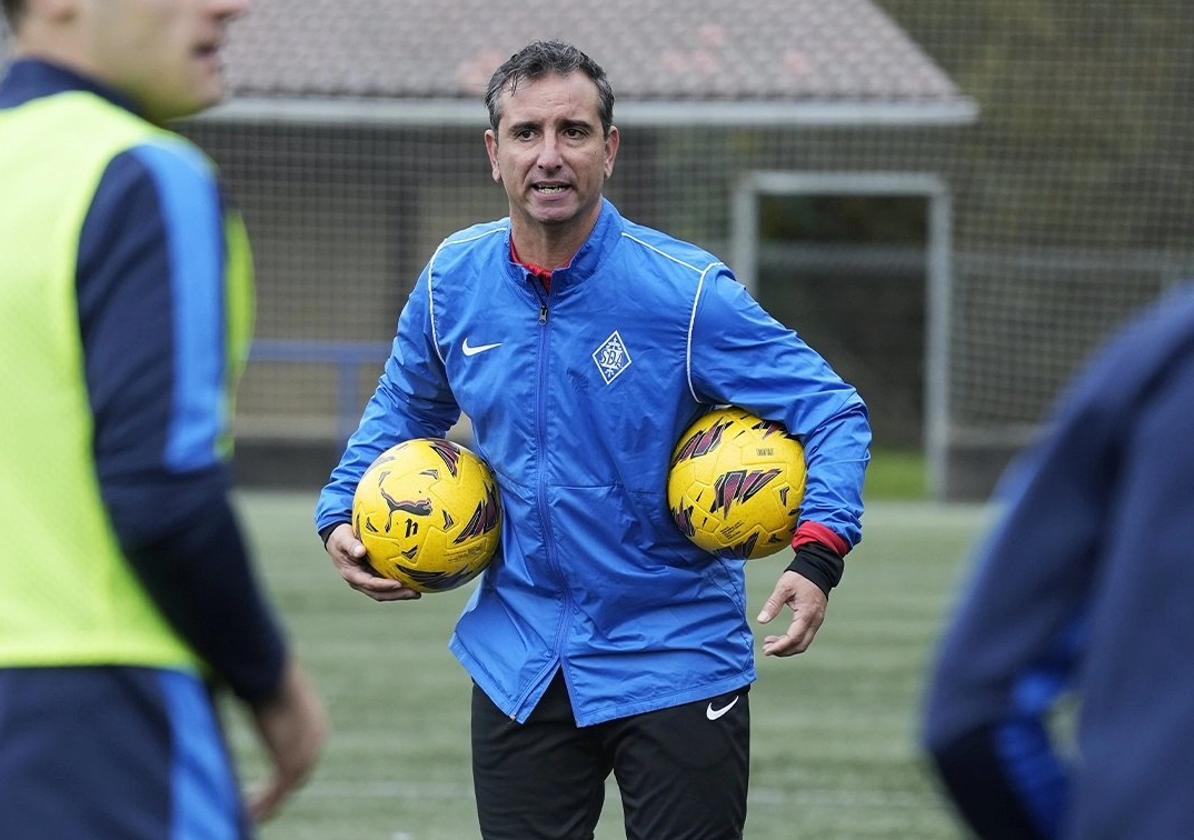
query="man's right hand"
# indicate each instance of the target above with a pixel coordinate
(348, 555)
(292, 727)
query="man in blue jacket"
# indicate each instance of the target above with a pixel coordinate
(1085, 586)
(600, 639)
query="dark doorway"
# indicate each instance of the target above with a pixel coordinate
(848, 273)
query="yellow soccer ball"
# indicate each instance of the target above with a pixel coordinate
(736, 484)
(429, 514)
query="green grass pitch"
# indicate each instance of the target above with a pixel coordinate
(833, 748)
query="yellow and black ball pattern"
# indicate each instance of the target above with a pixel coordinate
(736, 484)
(429, 514)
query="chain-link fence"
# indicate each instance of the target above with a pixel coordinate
(1064, 205)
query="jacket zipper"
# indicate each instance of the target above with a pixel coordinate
(541, 437)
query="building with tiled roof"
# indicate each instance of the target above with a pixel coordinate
(762, 61)
(956, 269)
(353, 142)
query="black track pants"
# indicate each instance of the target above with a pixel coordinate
(682, 772)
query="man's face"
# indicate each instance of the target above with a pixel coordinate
(549, 151)
(165, 54)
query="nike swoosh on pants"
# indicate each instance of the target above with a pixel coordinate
(714, 714)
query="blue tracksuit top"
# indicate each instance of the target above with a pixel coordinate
(576, 407)
(1085, 586)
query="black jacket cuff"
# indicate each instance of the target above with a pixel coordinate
(326, 531)
(820, 564)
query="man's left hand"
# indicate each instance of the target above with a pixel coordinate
(808, 604)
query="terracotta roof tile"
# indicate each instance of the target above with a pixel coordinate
(652, 49)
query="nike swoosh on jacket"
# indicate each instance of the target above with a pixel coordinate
(593, 575)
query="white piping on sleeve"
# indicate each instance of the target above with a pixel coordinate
(691, 325)
(695, 301)
(666, 254)
(431, 285)
(431, 302)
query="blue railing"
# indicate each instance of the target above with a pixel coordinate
(346, 356)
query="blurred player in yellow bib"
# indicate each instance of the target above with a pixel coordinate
(125, 315)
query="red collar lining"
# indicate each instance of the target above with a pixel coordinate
(544, 274)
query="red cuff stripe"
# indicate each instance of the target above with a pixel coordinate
(814, 532)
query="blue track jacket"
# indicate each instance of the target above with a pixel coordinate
(577, 398)
(1084, 589)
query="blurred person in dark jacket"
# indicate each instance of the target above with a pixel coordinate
(1085, 587)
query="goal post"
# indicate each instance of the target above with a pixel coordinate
(934, 262)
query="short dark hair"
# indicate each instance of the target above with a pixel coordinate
(13, 9)
(539, 59)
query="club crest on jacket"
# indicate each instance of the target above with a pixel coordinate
(612, 358)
